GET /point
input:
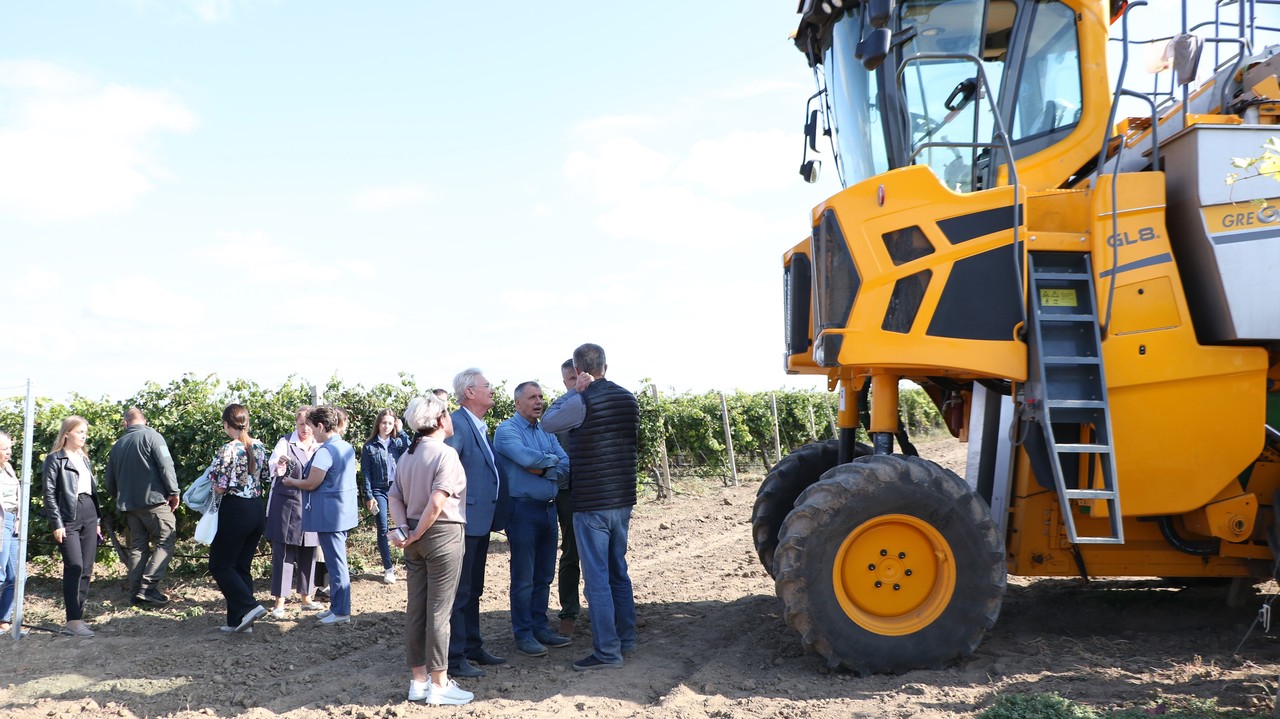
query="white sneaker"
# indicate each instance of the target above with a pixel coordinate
(450, 693)
(278, 612)
(235, 630)
(336, 619)
(251, 617)
(324, 614)
(418, 690)
(389, 576)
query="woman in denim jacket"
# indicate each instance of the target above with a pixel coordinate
(378, 467)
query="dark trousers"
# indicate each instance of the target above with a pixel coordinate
(464, 624)
(155, 524)
(79, 548)
(570, 573)
(241, 523)
(384, 544)
(531, 535)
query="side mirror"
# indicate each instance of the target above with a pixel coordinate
(811, 130)
(879, 12)
(874, 48)
(810, 170)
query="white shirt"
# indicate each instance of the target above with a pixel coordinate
(483, 429)
(322, 460)
(85, 484)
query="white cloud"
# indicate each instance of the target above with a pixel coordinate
(617, 167)
(743, 162)
(75, 148)
(141, 300)
(391, 197)
(758, 88)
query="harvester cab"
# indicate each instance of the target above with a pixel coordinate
(1068, 284)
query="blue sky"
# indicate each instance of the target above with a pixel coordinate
(260, 188)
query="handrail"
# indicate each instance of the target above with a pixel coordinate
(1002, 135)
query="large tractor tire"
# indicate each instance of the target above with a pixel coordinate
(889, 564)
(778, 493)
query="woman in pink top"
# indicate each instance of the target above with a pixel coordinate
(427, 503)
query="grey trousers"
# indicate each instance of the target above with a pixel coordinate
(433, 564)
(146, 526)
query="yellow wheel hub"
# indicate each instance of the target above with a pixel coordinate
(894, 574)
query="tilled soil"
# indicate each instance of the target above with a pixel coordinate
(712, 644)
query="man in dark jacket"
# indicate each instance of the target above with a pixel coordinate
(141, 479)
(603, 424)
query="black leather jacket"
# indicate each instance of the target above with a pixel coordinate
(60, 482)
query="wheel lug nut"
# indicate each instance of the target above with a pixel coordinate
(871, 567)
(908, 572)
(902, 555)
(878, 584)
(896, 587)
(884, 552)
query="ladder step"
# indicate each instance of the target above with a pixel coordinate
(1099, 540)
(1060, 275)
(1074, 404)
(1065, 360)
(1083, 448)
(1090, 494)
(1044, 317)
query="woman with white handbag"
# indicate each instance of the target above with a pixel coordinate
(237, 474)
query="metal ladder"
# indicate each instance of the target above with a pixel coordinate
(1068, 391)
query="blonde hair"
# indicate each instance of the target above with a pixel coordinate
(69, 425)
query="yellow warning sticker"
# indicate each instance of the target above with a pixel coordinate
(1057, 298)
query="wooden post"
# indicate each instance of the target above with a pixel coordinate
(813, 428)
(777, 440)
(728, 439)
(317, 396)
(664, 481)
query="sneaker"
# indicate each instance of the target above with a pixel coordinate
(389, 576)
(278, 613)
(483, 657)
(236, 630)
(311, 606)
(450, 693)
(467, 670)
(80, 630)
(530, 647)
(336, 619)
(325, 614)
(418, 690)
(592, 662)
(551, 639)
(251, 617)
(154, 596)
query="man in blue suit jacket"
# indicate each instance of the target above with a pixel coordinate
(487, 512)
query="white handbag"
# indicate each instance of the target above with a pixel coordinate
(207, 527)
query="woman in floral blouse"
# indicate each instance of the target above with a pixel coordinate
(238, 473)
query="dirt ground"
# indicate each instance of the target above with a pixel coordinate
(712, 644)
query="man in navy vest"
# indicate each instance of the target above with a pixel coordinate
(486, 512)
(603, 423)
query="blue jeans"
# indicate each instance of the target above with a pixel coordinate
(8, 568)
(384, 545)
(602, 548)
(532, 536)
(334, 547)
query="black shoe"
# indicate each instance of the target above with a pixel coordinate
(591, 662)
(484, 658)
(466, 670)
(155, 596)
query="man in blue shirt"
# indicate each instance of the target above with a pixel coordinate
(533, 463)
